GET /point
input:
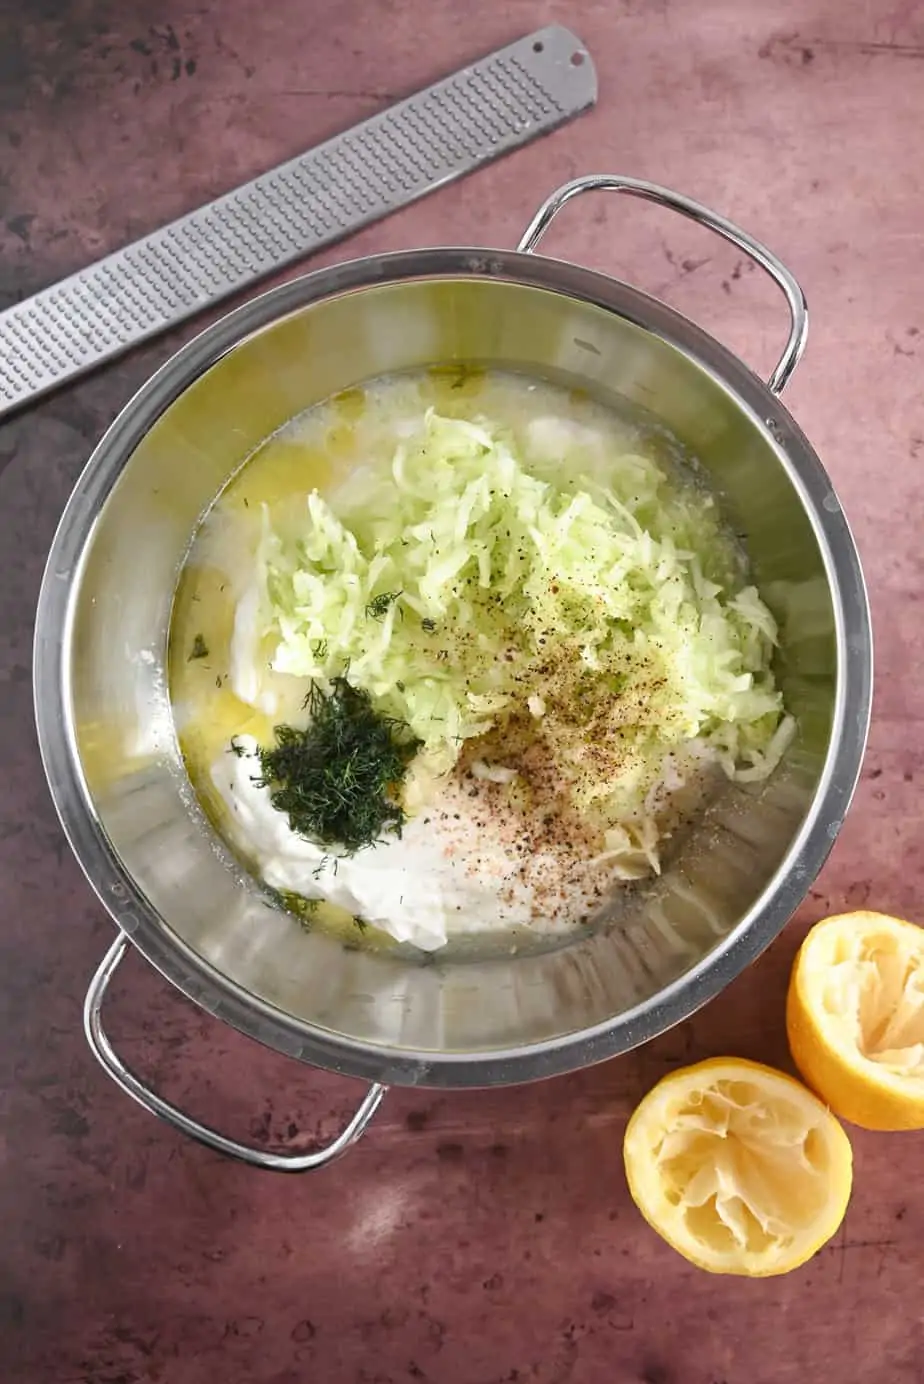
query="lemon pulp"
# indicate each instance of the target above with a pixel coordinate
(738, 1166)
(873, 993)
(855, 1018)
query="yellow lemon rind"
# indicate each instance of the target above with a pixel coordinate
(637, 1161)
(855, 1088)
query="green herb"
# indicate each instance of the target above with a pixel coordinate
(199, 649)
(303, 909)
(360, 922)
(319, 649)
(336, 780)
(378, 606)
(428, 625)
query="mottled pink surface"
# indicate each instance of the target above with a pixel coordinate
(470, 1238)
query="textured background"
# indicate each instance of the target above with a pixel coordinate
(469, 1238)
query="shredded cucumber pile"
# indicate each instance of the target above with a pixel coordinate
(613, 619)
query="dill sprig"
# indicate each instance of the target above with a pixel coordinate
(377, 608)
(301, 907)
(336, 779)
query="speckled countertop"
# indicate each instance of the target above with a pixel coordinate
(470, 1238)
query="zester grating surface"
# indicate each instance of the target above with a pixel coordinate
(483, 111)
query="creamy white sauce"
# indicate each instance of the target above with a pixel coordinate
(243, 671)
(459, 867)
(443, 877)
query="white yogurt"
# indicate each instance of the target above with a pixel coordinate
(440, 878)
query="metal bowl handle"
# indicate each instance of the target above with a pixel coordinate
(134, 1087)
(695, 211)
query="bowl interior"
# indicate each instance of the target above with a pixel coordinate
(353, 1008)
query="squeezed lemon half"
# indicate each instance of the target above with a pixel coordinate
(738, 1167)
(855, 1018)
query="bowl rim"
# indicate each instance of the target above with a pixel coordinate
(203, 983)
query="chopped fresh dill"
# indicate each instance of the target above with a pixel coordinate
(296, 904)
(319, 649)
(322, 865)
(236, 748)
(378, 606)
(199, 649)
(336, 779)
(428, 625)
(360, 922)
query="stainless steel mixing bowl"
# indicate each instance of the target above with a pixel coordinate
(108, 740)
